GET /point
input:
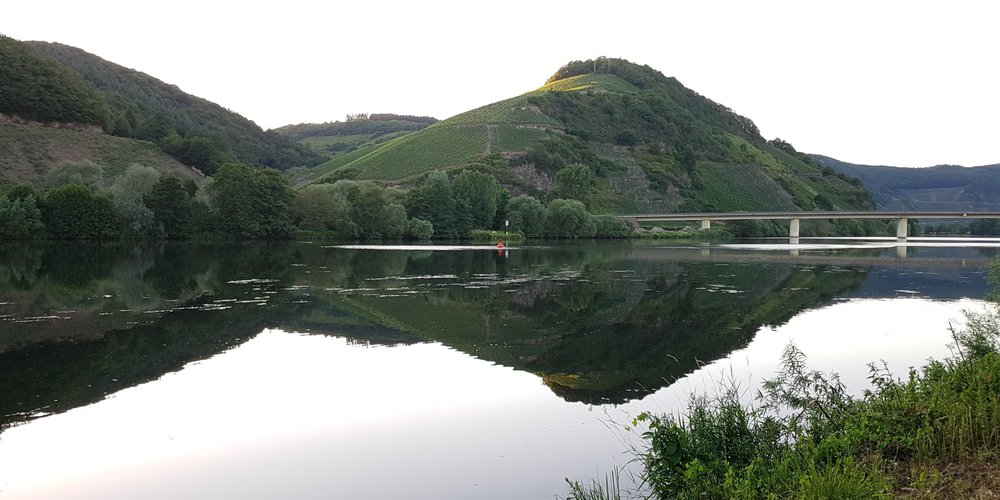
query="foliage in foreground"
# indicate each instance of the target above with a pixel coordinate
(808, 438)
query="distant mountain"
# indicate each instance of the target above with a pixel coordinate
(653, 144)
(944, 187)
(51, 83)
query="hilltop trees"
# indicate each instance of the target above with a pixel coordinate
(36, 87)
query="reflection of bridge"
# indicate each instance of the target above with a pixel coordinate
(794, 217)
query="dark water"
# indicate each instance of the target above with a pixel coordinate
(304, 370)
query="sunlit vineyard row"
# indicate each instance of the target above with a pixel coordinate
(590, 82)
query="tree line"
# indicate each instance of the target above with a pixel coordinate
(79, 202)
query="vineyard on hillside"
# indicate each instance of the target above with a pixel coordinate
(436, 147)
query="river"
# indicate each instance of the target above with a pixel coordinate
(317, 370)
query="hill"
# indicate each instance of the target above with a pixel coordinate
(334, 138)
(50, 115)
(943, 187)
(195, 131)
(29, 153)
(38, 88)
(653, 145)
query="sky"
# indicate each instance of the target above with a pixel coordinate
(903, 83)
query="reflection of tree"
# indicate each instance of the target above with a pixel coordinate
(101, 349)
(20, 264)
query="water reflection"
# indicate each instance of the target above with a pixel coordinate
(597, 323)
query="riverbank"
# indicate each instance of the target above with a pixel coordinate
(931, 433)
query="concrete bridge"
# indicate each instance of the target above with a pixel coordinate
(902, 218)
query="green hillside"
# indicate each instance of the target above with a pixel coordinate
(193, 130)
(37, 88)
(30, 153)
(653, 144)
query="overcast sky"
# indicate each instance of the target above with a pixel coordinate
(905, 83)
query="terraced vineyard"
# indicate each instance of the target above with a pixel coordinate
(439, 146)
(741, 188)
(520, 138)
(324, 169)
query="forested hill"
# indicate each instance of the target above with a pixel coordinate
(646, 143)
(37, 88)
(943, 187)
(193, 130)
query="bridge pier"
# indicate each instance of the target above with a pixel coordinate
(901, 228)
(901, 251)
(793, 228)
(706, 224)
(634, 221)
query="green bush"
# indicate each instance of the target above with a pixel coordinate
(77, 211)
(497, 236)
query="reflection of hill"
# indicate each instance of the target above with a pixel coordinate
(608, 330)
(597, 323)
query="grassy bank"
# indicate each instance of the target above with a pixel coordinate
(933, 433)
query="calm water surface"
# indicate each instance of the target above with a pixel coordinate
(311, 370)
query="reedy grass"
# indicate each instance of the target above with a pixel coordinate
(808, 438)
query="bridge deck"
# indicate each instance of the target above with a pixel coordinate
(723, 216)
(902, 218)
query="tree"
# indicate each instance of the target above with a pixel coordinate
(135, 218)
(395, 224)
(419, 229)
(315, 207)
(368, 211)
(252, 203)
(609, 226)
(433, 201)
(985, 227)
(480, 192)
(20, 218)
(83, 172)
(568, 219)
(527, 215)
(77, 211)
(576, 181)
(172, 206)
